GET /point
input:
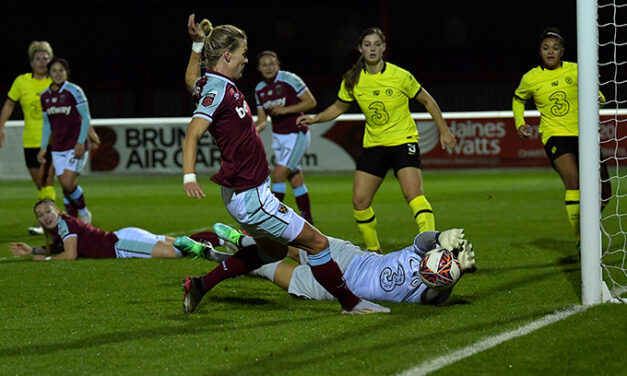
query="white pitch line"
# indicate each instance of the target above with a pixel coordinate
(445, 360)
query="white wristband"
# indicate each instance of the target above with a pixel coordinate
(189, 178)
(48, 258)
(197, 46)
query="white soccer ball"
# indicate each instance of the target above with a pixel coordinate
(439, 269)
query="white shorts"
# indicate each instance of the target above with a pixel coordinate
(262, 215)
(64, 160)
(135, 242)
(290, 148)
(304, 285)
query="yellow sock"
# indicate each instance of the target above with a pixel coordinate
(367, 224)
(47, 192)
(423, 214)
(572, 209)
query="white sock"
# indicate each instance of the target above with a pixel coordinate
(266, 271)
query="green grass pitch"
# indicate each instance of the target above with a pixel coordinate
(125, 316)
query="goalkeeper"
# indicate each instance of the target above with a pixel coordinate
(392, 277)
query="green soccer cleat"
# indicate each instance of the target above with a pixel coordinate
(192, 293)
(228, 233)
(187, 245)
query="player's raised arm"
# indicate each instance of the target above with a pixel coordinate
(330, 113)
(192, 73)
(446, 136)
(196, 128)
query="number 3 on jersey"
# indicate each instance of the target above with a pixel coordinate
(561, 106)
(379, 116)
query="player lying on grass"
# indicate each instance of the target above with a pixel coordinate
(391, 277)
(73, 238)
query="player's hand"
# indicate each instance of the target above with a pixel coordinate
(451, 239)
(41, 156)
(20, 249)
(2, 136)
(524, 131)
(277, 110)
(79, 150)
(466, 258)
(94, 138)
(447, 139)
(305, 119)
(194, 190)
(194, 30)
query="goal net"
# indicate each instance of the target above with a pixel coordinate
(612, 64)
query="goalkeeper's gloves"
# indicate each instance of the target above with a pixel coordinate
(466, 258)
(451, 239)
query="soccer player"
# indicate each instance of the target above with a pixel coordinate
(244, 175)
(66, 117)
(26, 90)
(73, 238)
(553, 88)
(284, 96)
(393, 277)
(383, 91)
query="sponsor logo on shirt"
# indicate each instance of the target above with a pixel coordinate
(274, 103)
(59, 110)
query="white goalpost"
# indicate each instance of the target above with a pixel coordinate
(603, 255)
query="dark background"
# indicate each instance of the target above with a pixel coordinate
(130, 56)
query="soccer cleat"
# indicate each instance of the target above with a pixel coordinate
(188, 245)
(36, 230)
(85, 217)
(192, 293)
(228, 233)
(212, 254)
(365, 307)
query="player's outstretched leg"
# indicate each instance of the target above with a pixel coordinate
(192, 247)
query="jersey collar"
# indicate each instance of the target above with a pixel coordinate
(385, 64)
(213, 74)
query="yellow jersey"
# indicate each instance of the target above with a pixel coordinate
(554, 93)
(26, 90)
(384, 99)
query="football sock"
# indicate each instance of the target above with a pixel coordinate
(76, 198)
(367, 224)
(207, 236)
(47, 192)
(243, 261)
(266, 271)
(326, 271)
(70, 209)
(301, 195)
(423, 214)
(278, 189)
(572, 209)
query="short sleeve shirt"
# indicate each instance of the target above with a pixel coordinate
(65, 120)
(91, 242)
(554, 93)
(384, 99)
(283, 91)
(243, 160)
(26, 90)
